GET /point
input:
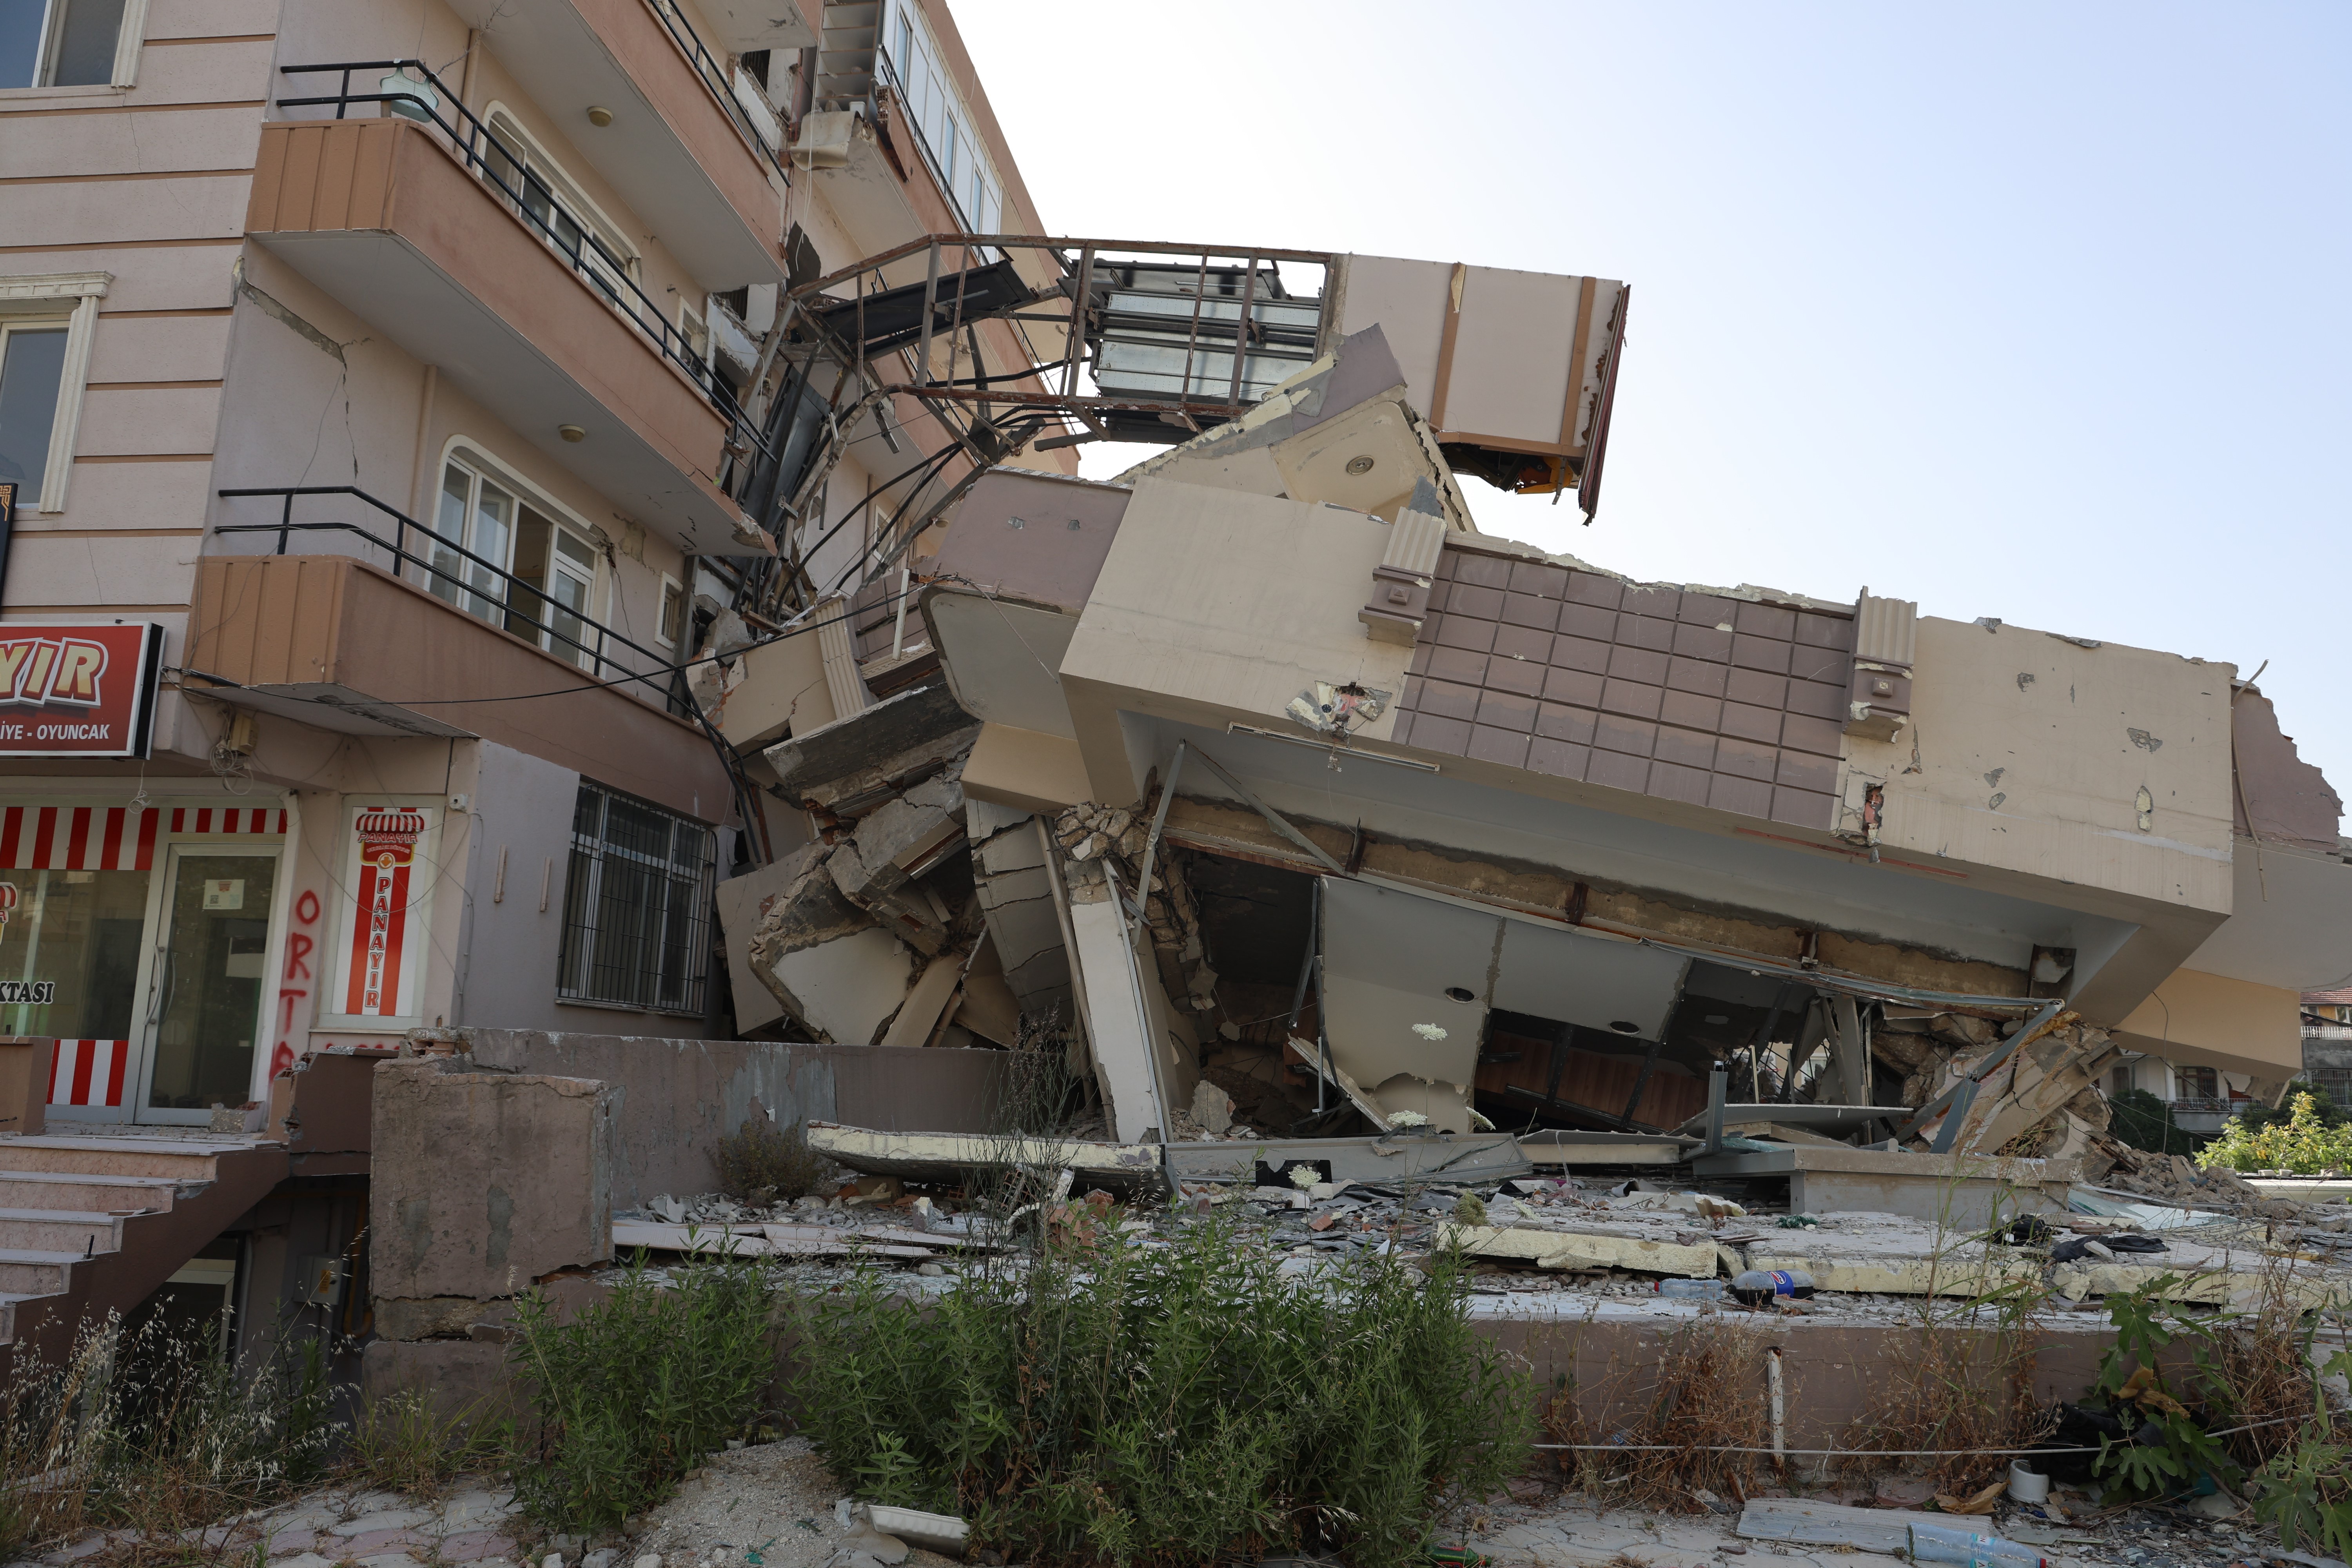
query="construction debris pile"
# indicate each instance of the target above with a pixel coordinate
(1260, 888)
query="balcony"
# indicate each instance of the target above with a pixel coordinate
(679, 150)
(340, 644)
(387, 216)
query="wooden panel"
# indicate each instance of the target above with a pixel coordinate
(268, 180)
(1601, 1081)
(298, 195)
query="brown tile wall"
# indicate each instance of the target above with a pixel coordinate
(1583, 677)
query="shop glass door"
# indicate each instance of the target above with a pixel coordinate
(207, 997)
(69, 950)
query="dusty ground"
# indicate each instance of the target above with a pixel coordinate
(1575, 1530)
(776, 1501)
(772, 1506)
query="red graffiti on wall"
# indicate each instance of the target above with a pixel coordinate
(300, 946)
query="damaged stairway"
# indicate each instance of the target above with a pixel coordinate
(89, 1225)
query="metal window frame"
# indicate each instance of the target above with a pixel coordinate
(578, 969)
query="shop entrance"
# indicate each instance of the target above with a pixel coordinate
(205, 1019)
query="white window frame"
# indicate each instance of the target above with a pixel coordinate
(669, 585)
(131, 33)
(49, 298)
(477, 459)
(507, 125)
(914, 47)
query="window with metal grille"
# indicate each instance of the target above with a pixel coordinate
(636, 905)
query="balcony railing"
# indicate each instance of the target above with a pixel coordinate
(469, 578)
(473, 143)
(714, 76)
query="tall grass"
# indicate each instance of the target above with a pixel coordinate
(154, 1430)
(1102, 1402)
(1670, 1418)
(631, 1394)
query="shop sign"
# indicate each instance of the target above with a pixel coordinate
(78, 691)
(379, 978)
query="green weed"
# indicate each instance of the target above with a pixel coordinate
(402, 1443)
(635, 1391)
(1101, 1402)
(2305, 1490)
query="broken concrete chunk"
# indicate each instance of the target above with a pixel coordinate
(1580, 1249)
(858, 762)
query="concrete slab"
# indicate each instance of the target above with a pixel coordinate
(1968, 1192)
(1561, 1149)
(1549, 1249)
(1468, 1159)
(949, 1156)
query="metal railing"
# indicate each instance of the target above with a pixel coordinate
(473, 145)
(714, 76)
(511, 608)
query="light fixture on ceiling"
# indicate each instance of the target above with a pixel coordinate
(1623, 1027)
(1460, 994)
(571, 432)
(599, 115)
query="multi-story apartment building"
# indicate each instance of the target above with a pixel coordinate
(386, 392)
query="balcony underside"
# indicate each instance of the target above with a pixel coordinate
(379, 216)
(671, 151)
(342, 645)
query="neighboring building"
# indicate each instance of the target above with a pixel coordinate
(2328, 1042)
(369, 432)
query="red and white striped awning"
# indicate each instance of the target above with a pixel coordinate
(210, 820)
(77, 838)
(112, 837)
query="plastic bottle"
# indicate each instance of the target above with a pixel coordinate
(1692, 1289)
(1755, 1287)
(1940, 1544)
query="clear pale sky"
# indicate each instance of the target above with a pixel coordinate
(2035, 312)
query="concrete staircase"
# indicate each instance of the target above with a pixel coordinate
(94, 1223)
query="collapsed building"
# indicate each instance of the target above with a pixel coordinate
(715, 696)
(1260, 768)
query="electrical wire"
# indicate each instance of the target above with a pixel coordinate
(1851, 1453)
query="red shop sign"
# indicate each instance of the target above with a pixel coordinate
(78, 691)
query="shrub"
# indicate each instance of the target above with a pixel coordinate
(631, 1394)
(2305, 1143)
(761, 1163)
(2256, 1115)
(1108, 1402)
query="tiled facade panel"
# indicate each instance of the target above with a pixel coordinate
(1687, 697)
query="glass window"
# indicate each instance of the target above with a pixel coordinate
(32, 366)
(555, 572)
(636, 903)
(944, 125)
(476, 514)
(58, 43)
(555, 208)
(673, 612)
(72, 943)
